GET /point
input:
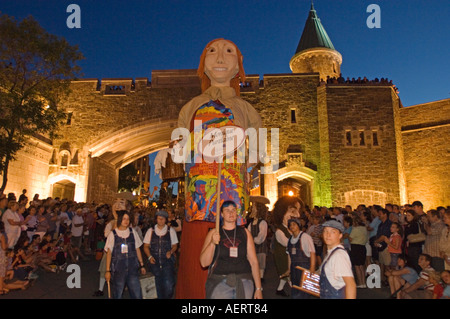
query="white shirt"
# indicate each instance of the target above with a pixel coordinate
(77, 231)
(161, 232)
(122, 234)
(281, 237)
(261, 237)
(338, 266)
(307, 243)
(11, 229)
(65, 218)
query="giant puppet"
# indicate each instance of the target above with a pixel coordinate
(221, 72)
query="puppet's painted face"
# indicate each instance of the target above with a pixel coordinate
(292, 212)
(221, 62)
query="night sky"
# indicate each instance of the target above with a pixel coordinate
(129, 39)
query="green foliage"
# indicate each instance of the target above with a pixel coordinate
(126, 178)
(35, 73)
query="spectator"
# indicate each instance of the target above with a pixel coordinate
(348, 224)
(64, 220)
(373, 228)
(12, 224)
(444, 245)
(52, 218)
(366, 218)
(315, 231)
(160, 245)
(435, 279)
(77, 234)
(394, 244)
(42, 226)
(124, 257)
(23, 199)
(258, 228)
(358, 239)
(3, 205)
(445, 276)
(301, 252)
(384, 230)
(413, 249)
(433, 227)
(417, 206)
(402, 277)
(426, 288)
(3, 260)
(336, 276)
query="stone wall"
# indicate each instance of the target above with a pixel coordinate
(426, 135)
(357, 163)
(279, 97)
(30, 169)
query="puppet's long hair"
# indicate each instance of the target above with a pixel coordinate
(234, 83)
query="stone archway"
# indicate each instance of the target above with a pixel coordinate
(117, 149)
(298, 176)
(63, 189)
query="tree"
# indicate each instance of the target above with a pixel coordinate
(35, 73)
(126, 178)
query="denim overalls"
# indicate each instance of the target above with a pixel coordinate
(298, 258)
(163, 269)
(125, 267)
(327, 291)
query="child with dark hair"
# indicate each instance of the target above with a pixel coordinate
(401, 277)
(422, 288)
(394, 243)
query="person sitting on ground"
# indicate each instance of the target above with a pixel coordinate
(422, 288)
(445, 276)
(401, 277)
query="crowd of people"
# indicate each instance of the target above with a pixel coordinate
(48, 234)
(364, 80)
(410, 246)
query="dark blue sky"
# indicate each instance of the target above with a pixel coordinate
(132, 38)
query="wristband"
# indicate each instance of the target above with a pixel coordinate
(259, 289)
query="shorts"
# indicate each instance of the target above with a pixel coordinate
(384, 257)
(368, 250)
(358, 255)
(394, 260)
(76, 241)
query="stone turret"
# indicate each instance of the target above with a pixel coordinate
(315, 52)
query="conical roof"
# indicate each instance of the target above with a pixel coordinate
(314, 34)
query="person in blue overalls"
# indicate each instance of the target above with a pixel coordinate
(336, 276)
(301, 253)
(124, 259)
(160, 245)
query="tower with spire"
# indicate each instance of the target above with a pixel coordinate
(315, 51)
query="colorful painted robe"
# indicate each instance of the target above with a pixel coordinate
(201, 178)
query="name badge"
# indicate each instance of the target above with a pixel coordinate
(124, 248)
(294, 251)
(233, 252)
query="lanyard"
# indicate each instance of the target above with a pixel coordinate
(234, 239)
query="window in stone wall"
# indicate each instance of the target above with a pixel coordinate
(293, 116)
(69, 118)
(362, 139)
(375, 138)
(348, 138)
(64, 159)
